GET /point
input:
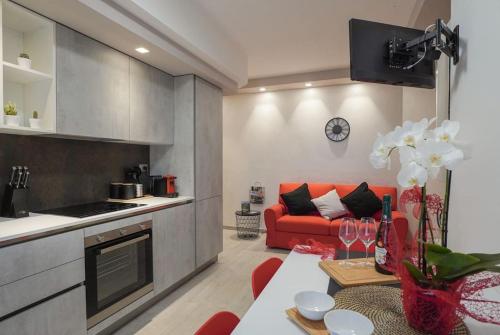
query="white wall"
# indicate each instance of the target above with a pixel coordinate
(277, 137)
(474, 220)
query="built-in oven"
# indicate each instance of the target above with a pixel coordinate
(118, 269)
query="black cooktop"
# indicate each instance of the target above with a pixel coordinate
(86, 210)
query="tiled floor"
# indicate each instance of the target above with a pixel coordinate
(223, 286)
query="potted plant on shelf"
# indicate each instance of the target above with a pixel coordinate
(35, 122)
(431, 298)
(24, 60)
(10, 111)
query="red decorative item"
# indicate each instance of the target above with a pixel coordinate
(327, 251)
(429, 310)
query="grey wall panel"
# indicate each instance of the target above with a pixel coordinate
(208, 140)
(179, 158)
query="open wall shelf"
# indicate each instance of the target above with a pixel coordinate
(31, 89)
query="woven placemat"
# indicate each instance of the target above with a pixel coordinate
(383, 306)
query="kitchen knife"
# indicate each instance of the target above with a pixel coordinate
(26, 178)
(13, 173)
(19, 176)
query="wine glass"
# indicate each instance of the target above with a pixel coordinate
(348, 234)
(366, 233)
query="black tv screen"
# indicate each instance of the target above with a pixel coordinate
(368, 43)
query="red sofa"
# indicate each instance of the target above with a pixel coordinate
(282, 228)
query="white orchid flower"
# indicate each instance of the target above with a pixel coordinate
(408, 155)
(411, 132)
(434, 155)
(379, 157)
(447, 131)
(411, 175)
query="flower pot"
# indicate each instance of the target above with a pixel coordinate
(12, 120)
(428, 310)
(24, 62)
(35, 123)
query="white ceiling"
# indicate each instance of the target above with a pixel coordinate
(284, 37)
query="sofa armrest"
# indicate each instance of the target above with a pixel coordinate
(271, 215)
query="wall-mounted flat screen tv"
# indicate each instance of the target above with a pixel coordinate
(370, 55)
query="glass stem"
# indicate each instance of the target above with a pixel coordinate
(366, 253)
(348, 252)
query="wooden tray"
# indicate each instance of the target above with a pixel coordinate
(355, 275)
(311, 327)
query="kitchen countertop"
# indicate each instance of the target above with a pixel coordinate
(14, 231)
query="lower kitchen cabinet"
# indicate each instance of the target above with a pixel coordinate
(173, 245)
(63, 315)
(208, 229)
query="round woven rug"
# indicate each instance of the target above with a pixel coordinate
(383, 306)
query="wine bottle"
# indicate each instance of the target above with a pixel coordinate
(382, 251)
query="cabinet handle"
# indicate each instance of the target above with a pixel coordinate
(124, 244)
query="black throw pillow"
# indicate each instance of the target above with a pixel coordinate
(299, 201)
(362, 202)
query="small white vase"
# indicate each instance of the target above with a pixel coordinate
(24, 62)
(35, 123)
(12, 120)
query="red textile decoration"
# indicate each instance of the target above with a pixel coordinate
(429, 310)
(327, 251)
(436, 311)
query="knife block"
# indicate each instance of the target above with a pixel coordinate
(15, 202)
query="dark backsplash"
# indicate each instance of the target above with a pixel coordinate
(66, 172)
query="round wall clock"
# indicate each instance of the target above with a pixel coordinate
(337, 129)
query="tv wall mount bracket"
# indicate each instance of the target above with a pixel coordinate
(406, 54)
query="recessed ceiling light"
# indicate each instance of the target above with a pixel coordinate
(262, 89)
(308, 84)
(142, 50)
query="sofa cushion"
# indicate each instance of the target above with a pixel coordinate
(362, 201)
(298, 201)
(380, 191)
(303, 224)
(330, 206)
(315, 189)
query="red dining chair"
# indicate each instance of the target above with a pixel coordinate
(263, 274)
(222, 323)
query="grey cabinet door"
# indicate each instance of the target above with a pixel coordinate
(92, 87)
(208, 229)
(173, 245)
(62, 315)
(208, 139)
(151, 104)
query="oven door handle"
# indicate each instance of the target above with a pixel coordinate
(124, 244)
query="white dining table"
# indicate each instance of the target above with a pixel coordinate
(300, 272)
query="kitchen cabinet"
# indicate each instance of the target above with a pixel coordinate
(173, 245)
(151, 104)
(62, 315)
(208, 229)
(92, 87)
(26, 259)
(208, 139)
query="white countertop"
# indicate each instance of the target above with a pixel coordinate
(35, 224)
(301, 272)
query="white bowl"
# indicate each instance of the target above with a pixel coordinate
(345, 322)
(313, 305)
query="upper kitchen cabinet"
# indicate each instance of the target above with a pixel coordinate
(208, 139)
(28, 71)
(151, 104)
(92, 88)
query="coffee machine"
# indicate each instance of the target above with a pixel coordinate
(170, 181)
